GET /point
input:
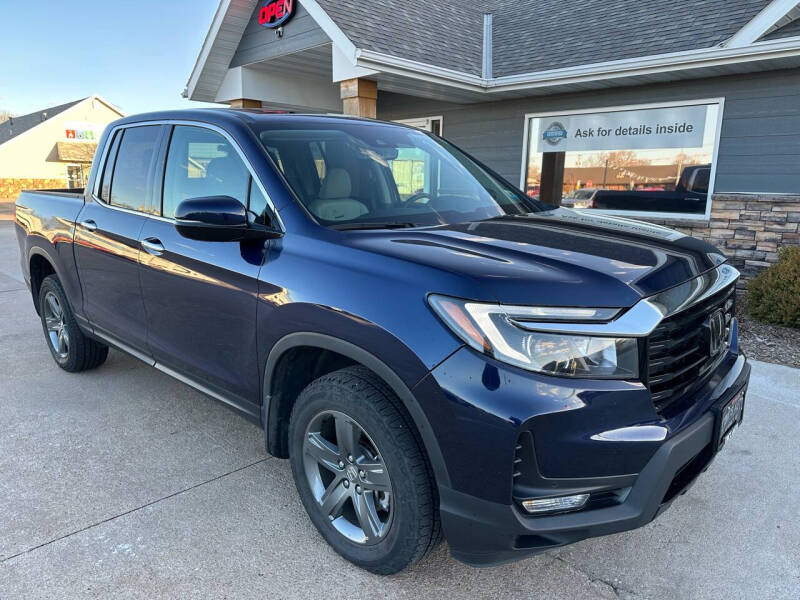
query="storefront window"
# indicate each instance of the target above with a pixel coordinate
(652, 160)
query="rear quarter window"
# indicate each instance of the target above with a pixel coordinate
(108, 167)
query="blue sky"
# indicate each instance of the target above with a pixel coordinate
(137, 55)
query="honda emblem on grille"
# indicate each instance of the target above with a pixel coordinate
(716, 332)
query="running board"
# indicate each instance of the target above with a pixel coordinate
(253, 416)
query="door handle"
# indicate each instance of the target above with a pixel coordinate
(88, 225)
(153, 246)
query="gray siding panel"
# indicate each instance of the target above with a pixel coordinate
(759, 144)
(261, 43)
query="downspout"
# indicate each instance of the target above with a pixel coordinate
(486, 70)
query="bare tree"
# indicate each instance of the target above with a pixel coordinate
(616, 159)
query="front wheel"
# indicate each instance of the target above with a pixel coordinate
(361, 473)
(71, 349)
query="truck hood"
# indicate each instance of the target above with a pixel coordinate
(560, 257)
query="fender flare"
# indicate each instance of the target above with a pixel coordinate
(40, 250)
(374, 364)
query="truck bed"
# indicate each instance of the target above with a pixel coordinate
(45, 227)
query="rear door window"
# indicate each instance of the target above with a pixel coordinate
(701, 179)
(201, 163)
(133, 168)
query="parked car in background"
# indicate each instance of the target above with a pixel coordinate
(695, 179)
(579, 198)
(689, 196)
(464, 359)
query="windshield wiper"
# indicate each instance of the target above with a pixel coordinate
(367, 225)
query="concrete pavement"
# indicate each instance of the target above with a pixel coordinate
(6, 210)
(124, 482)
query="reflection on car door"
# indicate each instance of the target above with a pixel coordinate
(201, 297)
(107, 237)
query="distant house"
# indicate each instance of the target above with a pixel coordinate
(54, 147)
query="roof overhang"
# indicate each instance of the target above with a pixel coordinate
(80, 152)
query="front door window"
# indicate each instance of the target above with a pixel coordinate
(202, 163)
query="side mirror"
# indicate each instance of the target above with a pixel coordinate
(217, 219)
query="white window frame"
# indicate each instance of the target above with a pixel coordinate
(636, 213)
(66, 172)
(424, 121)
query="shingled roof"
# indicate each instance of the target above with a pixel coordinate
(538, 35)
(18, 125)
(446, 33)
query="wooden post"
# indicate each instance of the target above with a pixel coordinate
(245, 103)
(360, 97)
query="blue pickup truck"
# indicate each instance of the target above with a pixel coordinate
(434, 351)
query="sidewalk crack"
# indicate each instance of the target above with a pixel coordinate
(619, 590)
(133, 510)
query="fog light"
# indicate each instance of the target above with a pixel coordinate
(542, 505)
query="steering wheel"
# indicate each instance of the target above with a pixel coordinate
(415, 198)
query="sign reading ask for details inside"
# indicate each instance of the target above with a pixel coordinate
(674, 127)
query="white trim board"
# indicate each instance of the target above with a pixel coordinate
(205, 49)
(761, 23)
(637, 214)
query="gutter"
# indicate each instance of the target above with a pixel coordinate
(675, 61)
(387, 63)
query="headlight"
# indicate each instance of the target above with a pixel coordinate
(499, 331)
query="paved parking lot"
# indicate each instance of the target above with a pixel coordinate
(123, 482)
(6, 210)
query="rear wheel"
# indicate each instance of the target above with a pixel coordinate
(71, 349)
(361, 473)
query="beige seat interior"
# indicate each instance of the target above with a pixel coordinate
(335, 203)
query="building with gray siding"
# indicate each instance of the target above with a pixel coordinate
(681, 113)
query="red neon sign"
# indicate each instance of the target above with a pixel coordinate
(276, 12)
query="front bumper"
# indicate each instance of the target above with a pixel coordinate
(637, 478)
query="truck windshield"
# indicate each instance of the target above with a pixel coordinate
(357, 175)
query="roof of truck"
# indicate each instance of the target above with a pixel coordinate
(220, 116)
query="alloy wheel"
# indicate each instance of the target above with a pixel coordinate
(56, 328)
(348, 477)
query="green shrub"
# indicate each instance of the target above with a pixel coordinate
(774, 296)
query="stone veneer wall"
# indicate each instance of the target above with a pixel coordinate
(10, 188)
(748, 228)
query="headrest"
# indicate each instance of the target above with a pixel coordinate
(338, 209)
(223, 168)
(337, 185)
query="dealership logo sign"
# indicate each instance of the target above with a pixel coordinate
(276, 13)
(555, 133)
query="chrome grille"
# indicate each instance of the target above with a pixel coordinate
(678, 357)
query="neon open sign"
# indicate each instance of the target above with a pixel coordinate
(276, 13)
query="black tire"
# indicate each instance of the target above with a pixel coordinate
(79, 353)
(414, 528)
